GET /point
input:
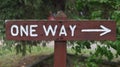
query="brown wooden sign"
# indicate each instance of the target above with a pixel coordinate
(60, 30)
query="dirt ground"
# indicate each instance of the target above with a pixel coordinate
(26, 61)
(47, 61)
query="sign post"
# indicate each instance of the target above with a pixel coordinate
(60, 54)
(60, 46)
(60, 31)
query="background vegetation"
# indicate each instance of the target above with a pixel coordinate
(75, 9)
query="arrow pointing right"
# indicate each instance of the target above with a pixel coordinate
(104, 30)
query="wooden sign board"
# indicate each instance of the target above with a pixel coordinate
(60, 30)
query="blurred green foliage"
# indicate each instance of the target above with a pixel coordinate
(99, 10)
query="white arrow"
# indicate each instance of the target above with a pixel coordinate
(103, 29)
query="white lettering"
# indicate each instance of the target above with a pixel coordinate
(47, 31)
(23, 30)
(15, 27)
(32, 30)
(72, 29)
(62, 31)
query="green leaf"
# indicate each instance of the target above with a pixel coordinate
(104, 1)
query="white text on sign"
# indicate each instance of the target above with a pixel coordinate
(30, 30)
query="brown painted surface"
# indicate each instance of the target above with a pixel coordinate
(78, 35)
(60, 46)
(60, 54)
